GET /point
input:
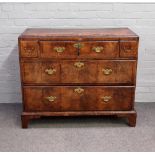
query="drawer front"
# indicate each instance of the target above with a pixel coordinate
(29, 49)
(58, 49)
(79, 72)
(69, 98)
(38, 72)
(116, 72)
(42, 99)
(105, 72)
(128, 49)
(99, 49)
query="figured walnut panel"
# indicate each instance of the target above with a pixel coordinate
(116, 72)
(99, 49)
(103, 72)
(72, 73)
(128, 49)
(40, 72)
(58, 49)
(29, 49)
(38, 99)
(75, 98)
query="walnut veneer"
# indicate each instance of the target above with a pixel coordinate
(78, 72)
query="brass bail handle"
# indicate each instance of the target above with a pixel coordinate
(50, 71)
(51, 98)
(98, 49)
(59, 49)
(106, 98)
(79, 90)
(79, 64)
(107, 71)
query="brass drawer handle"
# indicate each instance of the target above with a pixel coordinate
(79, 90)
(79, 64)
(50, 71)
(98, 49)
(78, 45)
(107, 71)
(51, 98)
(128, 50)
(106, 98)
(59, 49)
(29, 49)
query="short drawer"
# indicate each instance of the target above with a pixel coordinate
(99, 49)
(58, 49)
(104, 72)
(29, 49)
(128, 49)
(40, 72)
(75, 98)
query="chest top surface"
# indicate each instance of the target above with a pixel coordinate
(71, 33)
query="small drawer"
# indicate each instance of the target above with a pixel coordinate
(58, 49)
(78, 71)
(117, 72)
(76, 98)
(99, 49)
(40, 72)
(29, 49)
(128, 49)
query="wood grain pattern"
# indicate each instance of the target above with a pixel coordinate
(130, 115)
(68, 100)
(122, 72)
(78, 72)
(90, 72)
(48, 49)
(110, 49)
(89, 33)
(128, 49)
(73, 74)
(29, 49)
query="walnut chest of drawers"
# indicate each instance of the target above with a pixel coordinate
(78, 72)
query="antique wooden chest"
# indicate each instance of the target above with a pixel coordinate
(78, 72)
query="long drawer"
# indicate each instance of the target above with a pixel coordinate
(75, 98)
(68, 71)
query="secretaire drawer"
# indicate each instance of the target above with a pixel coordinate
(75, 98)
(71, 71)
(71, 49)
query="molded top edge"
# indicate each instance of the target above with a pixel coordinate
(57, 33)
